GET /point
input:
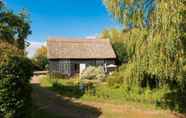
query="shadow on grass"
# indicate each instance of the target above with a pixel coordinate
(175, 100)
(51, 103)
(67, 90)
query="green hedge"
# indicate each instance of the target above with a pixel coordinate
(15, 89)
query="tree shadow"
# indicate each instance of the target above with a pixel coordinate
(53, 103)
(175, 99)
(73, 90)
(67, 90)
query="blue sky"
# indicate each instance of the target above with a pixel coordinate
(63, 18)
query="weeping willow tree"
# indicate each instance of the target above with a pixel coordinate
(157, 41)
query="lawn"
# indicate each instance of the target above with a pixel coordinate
(100, 91)
(62, 97)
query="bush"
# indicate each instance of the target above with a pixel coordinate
(15, 89)
(92, 73)
(15, 99)
(117, 78)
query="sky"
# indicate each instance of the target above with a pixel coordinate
(63, 18)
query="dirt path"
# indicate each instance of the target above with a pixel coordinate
(53, 103)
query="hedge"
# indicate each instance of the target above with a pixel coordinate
(15, 89)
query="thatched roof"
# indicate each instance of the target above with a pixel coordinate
(80, 49)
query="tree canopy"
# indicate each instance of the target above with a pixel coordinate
(157, 48)
(131, 13)
(40, 60)
(14, 31)
(116, 37)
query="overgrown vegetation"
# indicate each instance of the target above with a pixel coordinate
(15, 69)
(15, 89)
(156, 49)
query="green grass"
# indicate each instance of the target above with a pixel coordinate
(102, 92)
(133, 101)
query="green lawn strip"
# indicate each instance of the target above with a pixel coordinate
(103, 94)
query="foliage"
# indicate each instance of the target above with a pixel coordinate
(15, 69)
(118, 44)
(15, 97)
(120, 49)
(153, 55)
(131, 13)
(156, 49)
(14, 28)
(131, 94)
(113, 34)
(117, 78)
(93, 73)
(15, 89)
(6, 50)
(40, 60)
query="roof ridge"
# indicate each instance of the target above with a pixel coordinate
(78, 40)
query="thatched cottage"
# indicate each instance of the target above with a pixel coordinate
(70, 56)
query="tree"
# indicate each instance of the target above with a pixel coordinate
(157, 47)
(118, 44)
(131, 13)
(14, 31)
(15, 89)
(40, 60)
(15, 69)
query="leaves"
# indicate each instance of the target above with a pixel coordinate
(40, 60)
(155, 48)
(118, 43)
(15, 89)
(131, 13)
(14, 28)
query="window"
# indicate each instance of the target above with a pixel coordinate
(99, 62)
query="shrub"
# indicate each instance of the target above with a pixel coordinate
(15, 99)
(15, 90)
(117, 78)
(40, 60)
(91, 73)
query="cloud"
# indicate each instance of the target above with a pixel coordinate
(92, 36)
(33, 47)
